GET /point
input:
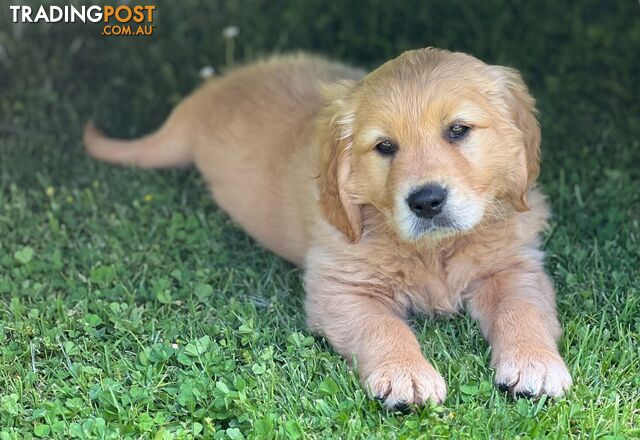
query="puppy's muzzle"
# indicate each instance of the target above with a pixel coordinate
(427, 201)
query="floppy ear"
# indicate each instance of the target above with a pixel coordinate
(335, 131)
(522, 111)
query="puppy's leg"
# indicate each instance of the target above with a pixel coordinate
(364, 324)
(517, 314)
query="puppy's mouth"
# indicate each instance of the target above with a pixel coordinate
(439, 226)
(434, 212)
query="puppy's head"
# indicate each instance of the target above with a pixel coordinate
(436, 141)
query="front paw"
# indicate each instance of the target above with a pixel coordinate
(529, 372)
(399, 383)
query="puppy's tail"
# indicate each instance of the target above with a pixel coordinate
(167, 147)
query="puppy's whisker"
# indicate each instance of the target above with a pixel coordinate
(497, 211)
(387, 213)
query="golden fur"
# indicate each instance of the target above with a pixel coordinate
(287, 146)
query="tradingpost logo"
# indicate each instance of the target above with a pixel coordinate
(117, 20)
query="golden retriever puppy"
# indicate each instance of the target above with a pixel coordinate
(408, 189)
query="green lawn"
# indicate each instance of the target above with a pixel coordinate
(130, 306)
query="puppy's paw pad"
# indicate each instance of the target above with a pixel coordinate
(532, 374)
(401, 383)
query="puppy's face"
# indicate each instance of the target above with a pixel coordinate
(437, 142)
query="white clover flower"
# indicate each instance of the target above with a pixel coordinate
(230, 32)
(207, 71)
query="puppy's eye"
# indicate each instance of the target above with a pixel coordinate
(457, 132)
(386, 148)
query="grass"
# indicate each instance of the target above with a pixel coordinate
(131, 307)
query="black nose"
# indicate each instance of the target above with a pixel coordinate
(427, 202)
